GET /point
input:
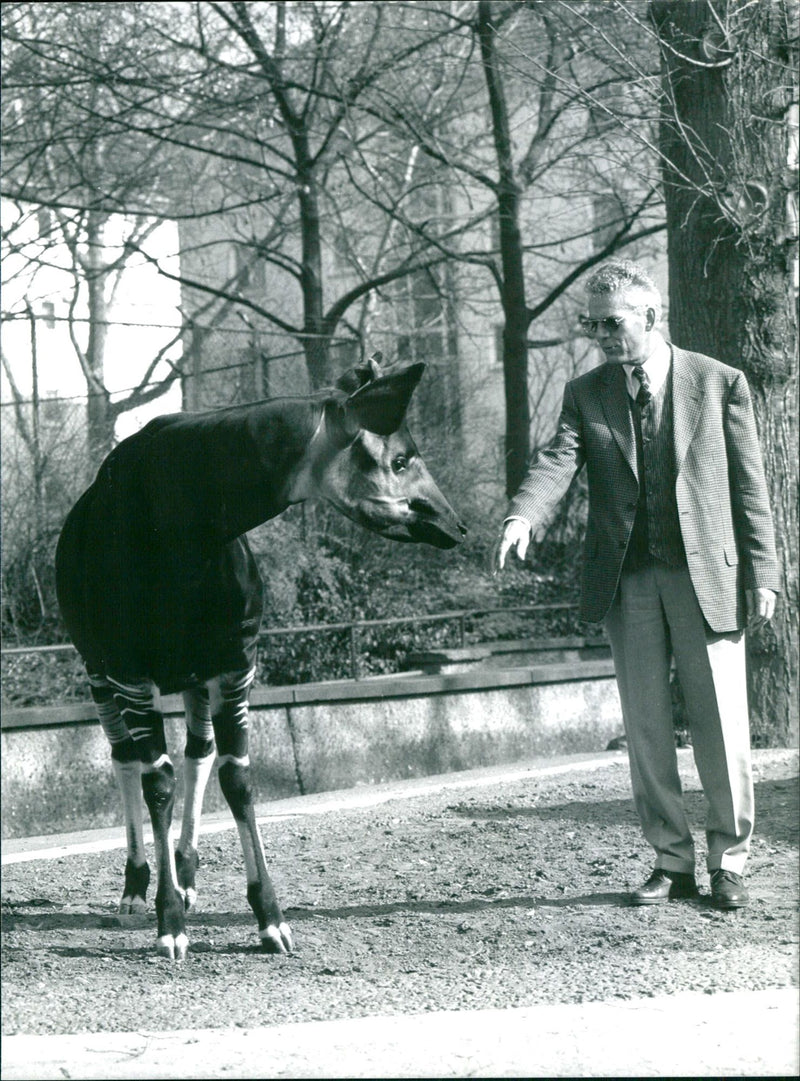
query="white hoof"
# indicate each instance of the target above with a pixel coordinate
(280, 938)
(173, 947)
(286, 935)
(189, 898)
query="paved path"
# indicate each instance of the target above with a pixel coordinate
(689, 1034)
(23, 849)
(734, 1034)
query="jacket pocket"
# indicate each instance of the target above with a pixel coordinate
(731, 557)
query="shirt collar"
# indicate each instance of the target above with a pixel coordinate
(656, 366)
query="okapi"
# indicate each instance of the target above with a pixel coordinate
(159, 591)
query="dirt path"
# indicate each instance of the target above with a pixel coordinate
(504, 894)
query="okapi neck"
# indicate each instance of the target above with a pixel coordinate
(262, 447)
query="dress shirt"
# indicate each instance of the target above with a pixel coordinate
(656, 366)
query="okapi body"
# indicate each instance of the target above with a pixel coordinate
(160, 592)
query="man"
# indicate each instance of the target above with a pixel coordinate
(679, 557)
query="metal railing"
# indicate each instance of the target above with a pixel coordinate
(463, 619)
(460, 617)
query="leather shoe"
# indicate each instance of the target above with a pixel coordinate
(665, 886)
(728, 890)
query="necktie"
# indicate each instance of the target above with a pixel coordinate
(645, 394)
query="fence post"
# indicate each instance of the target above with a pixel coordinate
(354, 673)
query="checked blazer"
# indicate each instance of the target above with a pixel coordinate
(725, 518)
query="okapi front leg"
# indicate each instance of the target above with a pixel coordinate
(145, 724)
(128, 772)
(197, 765)
(158, 784)
(231, 728)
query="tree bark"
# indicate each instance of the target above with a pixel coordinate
(727, 81)
(315, 342)
(100, 417)
(512, 284)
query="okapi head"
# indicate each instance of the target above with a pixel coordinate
(364, 462)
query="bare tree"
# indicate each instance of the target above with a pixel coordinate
(276, 101)
(522, 140)
(316, 128)
(59, 158)
(92, 271)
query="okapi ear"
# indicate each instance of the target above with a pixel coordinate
(354, 378)
(380, 406)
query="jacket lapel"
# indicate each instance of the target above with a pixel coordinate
(687, 403)
(614, 399)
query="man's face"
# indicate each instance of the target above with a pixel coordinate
(620, 327)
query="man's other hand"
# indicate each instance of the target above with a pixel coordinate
(760, 607)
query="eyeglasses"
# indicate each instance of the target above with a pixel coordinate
(610, 324)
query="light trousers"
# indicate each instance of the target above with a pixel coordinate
(656, 617)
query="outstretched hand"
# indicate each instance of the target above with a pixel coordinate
(516, 534)
(760, 607)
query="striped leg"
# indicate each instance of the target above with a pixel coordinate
(198, 762)
(128, 771)
(145, 724)
(229, 714)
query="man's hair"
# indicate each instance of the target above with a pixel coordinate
(630, 279)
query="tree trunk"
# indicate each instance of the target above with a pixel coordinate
(32, 436)
(727, 79)
(99, 416)
(515, 310)
(316, 341)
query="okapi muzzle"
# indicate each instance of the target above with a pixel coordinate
(160, 593)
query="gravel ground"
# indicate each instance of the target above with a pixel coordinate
(509, 893)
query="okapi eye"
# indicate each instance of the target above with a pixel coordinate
(399, 463)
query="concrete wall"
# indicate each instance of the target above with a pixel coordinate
(56, 774)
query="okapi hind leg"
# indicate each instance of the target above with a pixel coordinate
(230, 718)
(128, 772)
(197, 766)
(137, 870)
